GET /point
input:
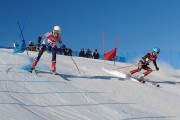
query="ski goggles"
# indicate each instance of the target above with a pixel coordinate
(154, 52)
(157, 52)
(57, 32)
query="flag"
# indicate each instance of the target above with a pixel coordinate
(110, 54)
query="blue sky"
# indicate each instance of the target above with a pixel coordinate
(139, 24)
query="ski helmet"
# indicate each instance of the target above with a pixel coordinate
(156, 49)
(57, 29)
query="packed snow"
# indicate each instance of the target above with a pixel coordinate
(98, 92)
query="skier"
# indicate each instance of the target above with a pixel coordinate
(49, 41)
(144, 62)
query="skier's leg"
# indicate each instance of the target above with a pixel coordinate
(148, 70)
(34, 64)
(53, 66)
(53, 63)
(41, 51)
(136, 70)
(43, 47)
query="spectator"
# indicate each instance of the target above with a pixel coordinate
(31, 43)
(60, 50)
(96, 54)
(82, 53)
(89, 53)
(38, 43)
(68, 52)
(32, 47)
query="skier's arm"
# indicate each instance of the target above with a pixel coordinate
(155, 64)
(62, 45)
(45, 36)
(60, 42)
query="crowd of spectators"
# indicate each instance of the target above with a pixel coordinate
(31, 46)
(62, 51)
(67, 51)
(89, 54)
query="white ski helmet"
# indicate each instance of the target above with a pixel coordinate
(57, 29)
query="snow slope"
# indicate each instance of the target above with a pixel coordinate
(93, 95)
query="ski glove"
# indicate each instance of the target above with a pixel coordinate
(54, 46)
(64, 46)
(157, 68)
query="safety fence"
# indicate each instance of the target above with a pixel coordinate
(170, 57)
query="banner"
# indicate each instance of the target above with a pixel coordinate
(20, 48)
(110, 54)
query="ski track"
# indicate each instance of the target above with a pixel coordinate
(91, 96)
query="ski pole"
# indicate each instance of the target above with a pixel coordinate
(75, 64)
(122, 67)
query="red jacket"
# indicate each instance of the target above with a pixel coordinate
(149, 57)
(50, 38)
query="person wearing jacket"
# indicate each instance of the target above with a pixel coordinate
(95, 54)
(145, 61)
(82, 53)
(49, 40)
(89, 53)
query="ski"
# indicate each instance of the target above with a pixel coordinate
(153, 84)
(125, 76)
(46, 72)
(144, 81)
(136, 79)
(41, 71)
(140, 80)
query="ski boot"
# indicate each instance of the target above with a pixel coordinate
(129, 74)
(31, 70)
(33, 66)
(53, 66)
(141, 78)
